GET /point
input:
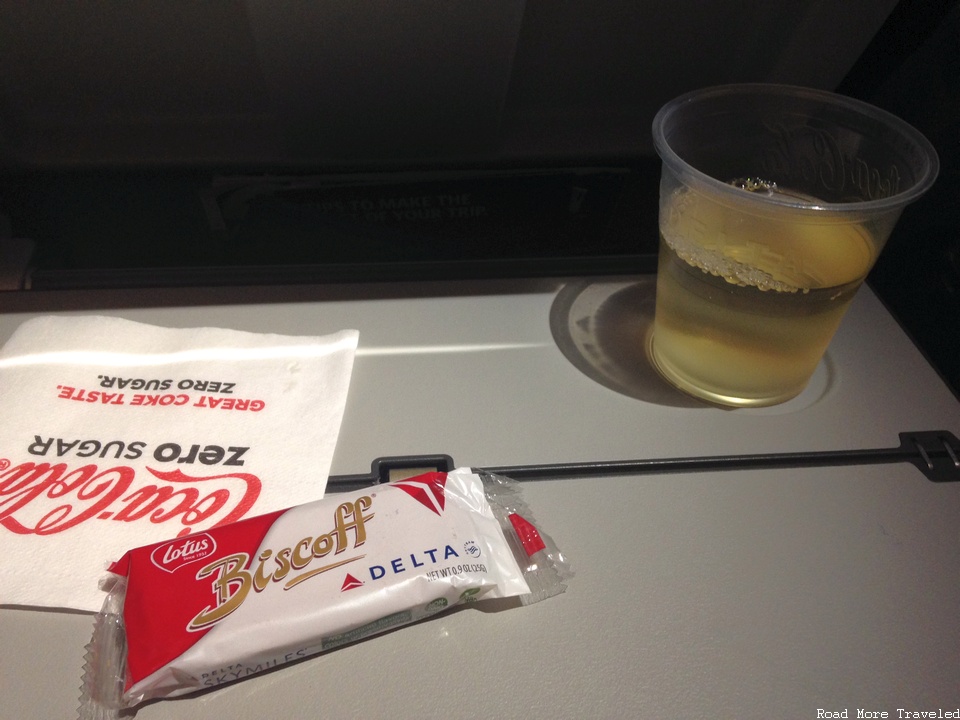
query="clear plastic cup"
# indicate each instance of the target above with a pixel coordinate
(775, 202)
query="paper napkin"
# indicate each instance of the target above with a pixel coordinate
(114, 434)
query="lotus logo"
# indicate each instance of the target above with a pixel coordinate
(183, 551)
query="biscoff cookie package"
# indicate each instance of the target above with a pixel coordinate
(214, 607)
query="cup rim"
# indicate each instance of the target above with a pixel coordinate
(897, 201)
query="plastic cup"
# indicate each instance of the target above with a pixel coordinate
(775, 202)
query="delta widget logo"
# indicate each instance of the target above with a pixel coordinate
(426, 489)
(350, 582)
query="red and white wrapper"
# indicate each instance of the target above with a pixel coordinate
(221, 605)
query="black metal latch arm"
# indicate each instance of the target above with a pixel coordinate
(935, 453)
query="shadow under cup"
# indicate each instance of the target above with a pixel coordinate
(775, 202)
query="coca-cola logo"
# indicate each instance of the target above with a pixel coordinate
(177, 553)
(50, 498)
(825, 165)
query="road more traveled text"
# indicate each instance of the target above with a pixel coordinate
(899, 713)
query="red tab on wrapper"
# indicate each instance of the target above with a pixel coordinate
(529, 537)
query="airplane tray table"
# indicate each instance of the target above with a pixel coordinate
(771, 593)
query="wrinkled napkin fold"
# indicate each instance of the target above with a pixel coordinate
(114, 434)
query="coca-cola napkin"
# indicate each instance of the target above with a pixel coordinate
(115, 434)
